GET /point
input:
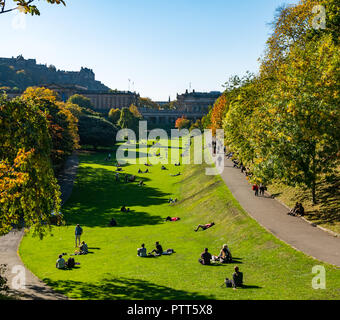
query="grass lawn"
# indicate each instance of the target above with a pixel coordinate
(272, 269)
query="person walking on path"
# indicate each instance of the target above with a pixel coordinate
(256, 189)
(78, 233)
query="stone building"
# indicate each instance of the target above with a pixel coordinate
(102, 101)
(196, 102)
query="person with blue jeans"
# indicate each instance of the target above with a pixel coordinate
(78, 233)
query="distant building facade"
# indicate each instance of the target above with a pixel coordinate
(102, 101)
(196, 102)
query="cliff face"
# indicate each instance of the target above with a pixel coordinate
(21, 73)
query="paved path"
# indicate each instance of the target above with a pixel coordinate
(272, 215)
(35, 288)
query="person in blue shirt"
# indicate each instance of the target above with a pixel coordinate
(78, 233)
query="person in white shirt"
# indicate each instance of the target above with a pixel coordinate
(60, 263)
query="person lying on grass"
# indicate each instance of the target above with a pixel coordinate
(175, 175)
(159, 250)
(205, 226)
(148, 165)
(237, 281)
(205, 257)
(113, 223)
(172, 200)
(172, 219)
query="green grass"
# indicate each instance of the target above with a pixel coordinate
(272, 269)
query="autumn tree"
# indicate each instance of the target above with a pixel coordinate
(182, 123)
(62, 124)
(29, 192)
(25, 6)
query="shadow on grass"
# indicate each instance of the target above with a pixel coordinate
(122, 289)
(97, 197)
(328, 196)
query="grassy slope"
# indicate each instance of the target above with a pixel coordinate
(326, 212)
(112, 270)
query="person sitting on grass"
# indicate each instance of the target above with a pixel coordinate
(205, 257)
(295, 210)
(141, 252)
(140, 171)
(146, 171)
(205, 226)
(301, 211)
(70, 263)
(83, 248)
(225, 255)
(163, 168)
(159, 250)
(237, 281)
(124, 209)
(177, 164)
(113, 223)
(172, 219)
(60, 262)
(141, 183)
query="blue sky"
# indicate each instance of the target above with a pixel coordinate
(161, 45)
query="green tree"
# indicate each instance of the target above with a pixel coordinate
(96, 131)
(114, 115)
(81, 101)
(127, 120)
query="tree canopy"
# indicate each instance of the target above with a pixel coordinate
(25, 6)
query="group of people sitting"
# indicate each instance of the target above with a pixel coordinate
(172, 200)
(158, 251)
(140, 171)
(124, 209)
(223, 257)
(298, 210)
(62, 264)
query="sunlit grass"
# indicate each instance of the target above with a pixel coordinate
(113, 271)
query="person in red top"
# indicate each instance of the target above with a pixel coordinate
(172, 219)
(256, 189)
(205, 226)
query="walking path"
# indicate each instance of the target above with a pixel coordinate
(273, 216)
(34, 288)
